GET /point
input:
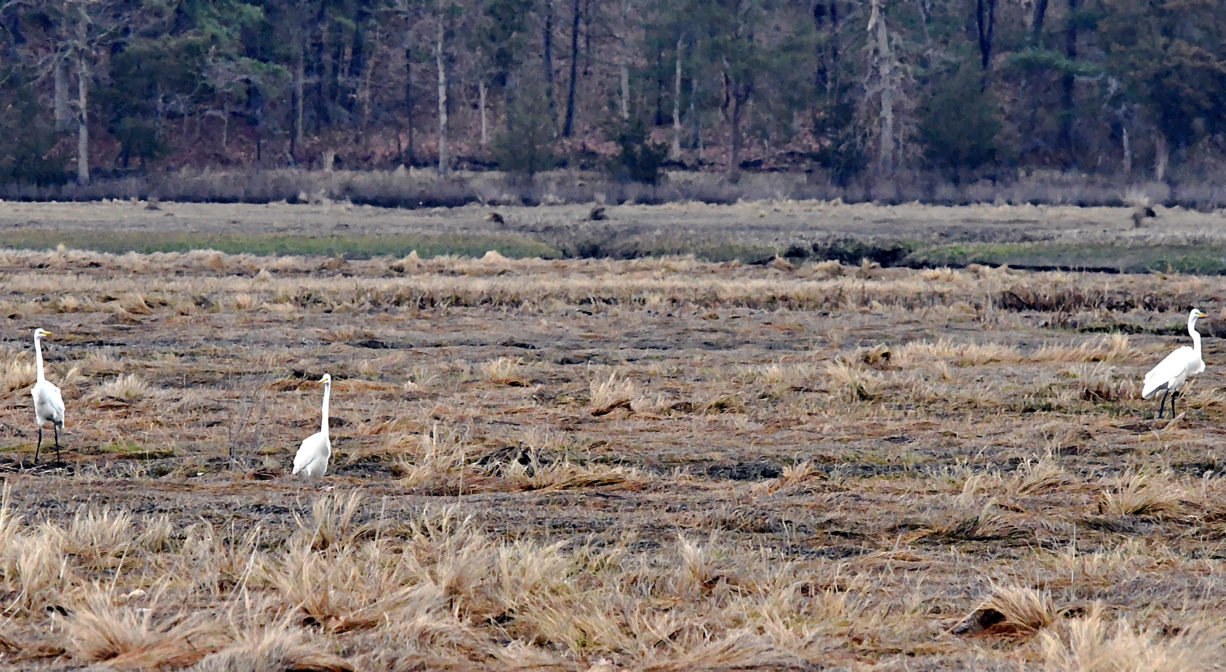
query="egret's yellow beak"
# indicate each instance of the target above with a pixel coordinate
(47, 333)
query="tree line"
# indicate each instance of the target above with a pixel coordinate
(958, 89)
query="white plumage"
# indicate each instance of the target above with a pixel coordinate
(312, 457)
(1172, 372)
(48, 402)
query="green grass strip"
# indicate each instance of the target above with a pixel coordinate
(348, 246)
(1184, 258)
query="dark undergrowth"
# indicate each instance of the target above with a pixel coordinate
(418, 188)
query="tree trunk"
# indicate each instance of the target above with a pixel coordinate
(364, 98)
(826, 72)
(1067, 84)
(336, 73)
(734, 162)
(821, 74)
(296, 148)
(357, 60)
(82, 102)
(1162, 156)
(568, 127)
(548, 63)
(625, 80)
(509, 95)
(1036, 22)
(442, 93)
(1127, 147)
(481, 103)
(409, 102)
(695, 134)
(736, 95)
(322, 112)
(61, 109)
(659, 116)
(985, 22)
(587, 39)
(674, 152)
(885, 72)
(1031, 81)
(82, 112)
(833, 82)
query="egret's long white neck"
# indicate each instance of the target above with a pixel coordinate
(38, 356)
(1192, 331)
(328, 391)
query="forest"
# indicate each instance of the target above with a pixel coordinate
(951, 90)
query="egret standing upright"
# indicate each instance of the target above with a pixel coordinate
(48, 403)
(1173, 371)
(313, 454)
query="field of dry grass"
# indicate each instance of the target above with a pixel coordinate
(661, 464)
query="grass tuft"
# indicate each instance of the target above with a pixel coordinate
(127, 387)
(1010, 611)
(1097, 643)
(607, 394)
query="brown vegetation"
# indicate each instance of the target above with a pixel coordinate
(645, 464)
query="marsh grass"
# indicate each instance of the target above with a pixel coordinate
(711, 466)
(1142, 493)
(128, 388)
(606, 393)
(438, 462)
(128, 638)
(1099, 641)
(346, 246)
(18, 373)
(506, 371)
(852, 381)
(1038, 475)
(1013, 611)
(1127, 257)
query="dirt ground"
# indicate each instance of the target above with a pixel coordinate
(783, 466)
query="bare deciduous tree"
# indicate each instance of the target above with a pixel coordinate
(885, 84)
(441, 65)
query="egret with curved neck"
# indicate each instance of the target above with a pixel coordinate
(313, 454)
(1172, 372)
(48, 402)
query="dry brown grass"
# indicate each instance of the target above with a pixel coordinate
(128, 638)
(606, 393)
(1014, 611)
(1098, 643)
(651, 464)
(18, 373)
(127, 387)
(506, 371)
(1141, 493)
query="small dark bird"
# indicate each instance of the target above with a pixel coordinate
(495, 218)
(1140, 214)
(597, 214)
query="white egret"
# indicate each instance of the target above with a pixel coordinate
(48, 403)
(312, 457)
(1172, 372)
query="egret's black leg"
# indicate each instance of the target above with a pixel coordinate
(1162, 404)
(40, 444)
(1173, 395)
(57, 443)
